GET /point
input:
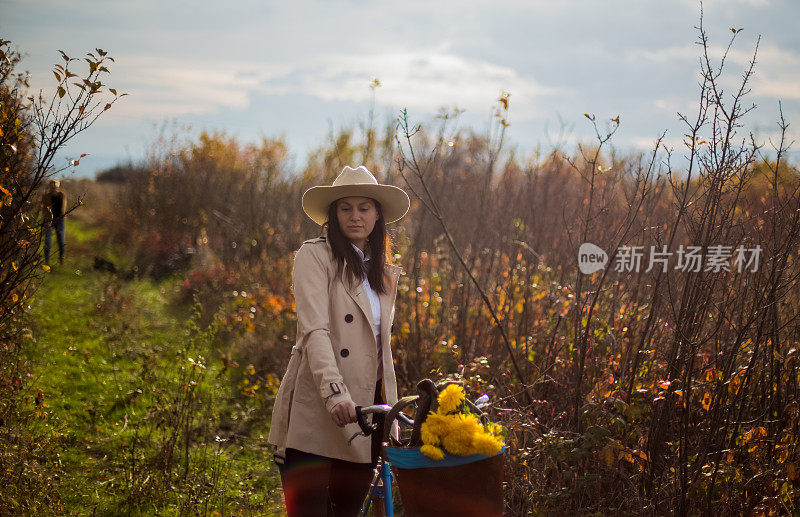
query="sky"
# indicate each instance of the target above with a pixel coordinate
(299, 68)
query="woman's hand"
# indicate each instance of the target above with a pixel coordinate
(344, 413)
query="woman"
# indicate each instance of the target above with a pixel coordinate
(344, 292)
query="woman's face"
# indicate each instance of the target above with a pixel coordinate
(357, 217)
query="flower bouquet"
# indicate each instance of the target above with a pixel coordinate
(457, 469)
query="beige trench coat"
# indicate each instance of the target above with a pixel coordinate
(334, 357)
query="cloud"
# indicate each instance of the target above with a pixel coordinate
(780, 89)
(662, 55)
(648, 143)
(674, 104)
(417, 79)
(158, 87)
(775, 69)
(162, 87)
(769, 55)
(728, 3)
(421, 80)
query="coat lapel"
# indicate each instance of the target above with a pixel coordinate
(387, 298)
(359, 296)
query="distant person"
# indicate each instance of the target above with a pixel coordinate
(54, 207)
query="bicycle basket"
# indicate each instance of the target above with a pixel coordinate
(455, 485)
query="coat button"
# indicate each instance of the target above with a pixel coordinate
(345, 352)
(348, 318)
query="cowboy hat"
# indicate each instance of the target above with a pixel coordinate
(355, 182)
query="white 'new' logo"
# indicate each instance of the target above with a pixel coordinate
(591, 258)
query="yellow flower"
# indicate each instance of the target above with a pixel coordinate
(458, 442)
(487, 445)
(438, 424)
(434, 453)
(462, 434)
(450, 399)
(495, 429)
(428, 437)
(459, 438)
(467, 423)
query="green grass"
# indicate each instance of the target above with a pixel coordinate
(110, 357)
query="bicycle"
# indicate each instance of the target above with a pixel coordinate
(381, 484)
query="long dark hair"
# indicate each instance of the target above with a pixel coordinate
(347, 258)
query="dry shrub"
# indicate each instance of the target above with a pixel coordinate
(33, 132)
(214, 193)
(634, 392)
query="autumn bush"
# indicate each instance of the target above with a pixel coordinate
(214, 194)
(592, 448)
(33, 132)
(629, 390)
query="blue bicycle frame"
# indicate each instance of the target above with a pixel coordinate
(383, 470)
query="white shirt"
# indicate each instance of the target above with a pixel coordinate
(374, 301)
(375, 305)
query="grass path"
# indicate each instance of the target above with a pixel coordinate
(107, 356)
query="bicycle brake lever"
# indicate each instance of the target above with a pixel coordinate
(362, 423)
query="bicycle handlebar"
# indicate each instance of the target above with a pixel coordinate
(377, 408)
(381, 409)
(384, 409)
